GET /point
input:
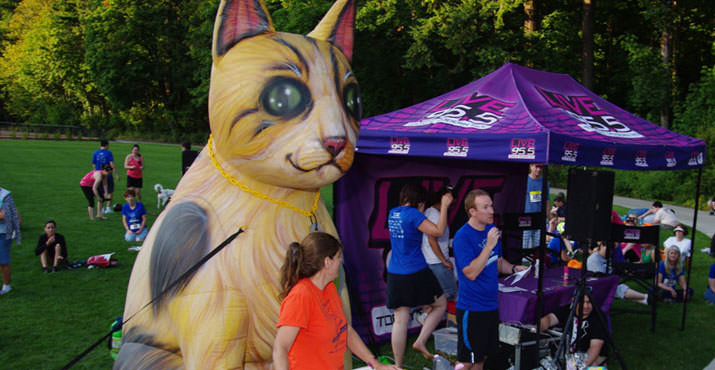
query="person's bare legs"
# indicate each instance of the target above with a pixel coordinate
(99, 210)
(434, 317)
(399, 333)
(58, 256)
(43, 258)
(90, 210)
(5, 274)
(635, 296)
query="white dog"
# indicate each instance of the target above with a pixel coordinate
(162, 195)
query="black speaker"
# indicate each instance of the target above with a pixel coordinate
(590, 201)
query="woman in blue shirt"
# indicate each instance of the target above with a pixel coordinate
(671, 274)
(133, 218)
(410, 282)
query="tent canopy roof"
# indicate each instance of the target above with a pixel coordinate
(524, 115)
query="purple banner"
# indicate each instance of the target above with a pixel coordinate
(370, 189)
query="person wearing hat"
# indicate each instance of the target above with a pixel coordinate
(679, 240)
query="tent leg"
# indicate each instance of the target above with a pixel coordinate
(692, 244)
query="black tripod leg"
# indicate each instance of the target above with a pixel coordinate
(560, 356)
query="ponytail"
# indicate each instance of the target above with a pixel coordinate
(306, 259)
(290, 271)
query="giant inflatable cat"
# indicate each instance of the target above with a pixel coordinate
(284, 111)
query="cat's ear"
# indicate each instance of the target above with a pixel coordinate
(338, 26)
(237, 20)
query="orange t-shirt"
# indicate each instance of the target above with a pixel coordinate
(322, 338)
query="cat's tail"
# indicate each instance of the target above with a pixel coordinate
(139, 351)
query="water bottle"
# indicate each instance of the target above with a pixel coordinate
(116, 340)
(566, 275)
(441, 363)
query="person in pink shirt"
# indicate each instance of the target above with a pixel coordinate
(134, 163)
(90, 185)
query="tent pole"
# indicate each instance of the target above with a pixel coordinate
(692, 244)
(542, 255)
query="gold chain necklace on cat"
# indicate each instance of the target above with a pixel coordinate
(310, 214)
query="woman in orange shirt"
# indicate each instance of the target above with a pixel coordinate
(313, 332)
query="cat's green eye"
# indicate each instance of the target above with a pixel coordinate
(285, 97)
(351, 97)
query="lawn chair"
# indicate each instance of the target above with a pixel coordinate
(645, 275)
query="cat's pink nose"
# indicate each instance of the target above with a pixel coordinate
(334, 144)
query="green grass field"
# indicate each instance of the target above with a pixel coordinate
(50, 318)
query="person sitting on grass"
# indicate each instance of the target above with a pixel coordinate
(647, 253)
(133, 218)
(631, 251)
(560, 248)
(597, 262)
(664, 217)
(51, 247)
(591, 339)
(670, 275)
(710, 290)
(679, 240)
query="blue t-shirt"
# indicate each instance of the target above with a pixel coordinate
(712, 271)
(556, 245)
(479, 294)
(533, 195)
(406, 240)
(134, 216)
(101, 157)
(669, 279)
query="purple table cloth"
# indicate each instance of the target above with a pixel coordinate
(520, 307)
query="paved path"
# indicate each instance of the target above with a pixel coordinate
(706, 223)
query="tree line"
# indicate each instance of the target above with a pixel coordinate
(141, 67)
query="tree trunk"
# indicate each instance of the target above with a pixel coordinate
(587, 43)
(666, 53)
(530, 17)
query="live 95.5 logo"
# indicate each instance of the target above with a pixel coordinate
(607, 156)
(522, 149)
(473, 111)
(399, 145)
(670, 160)
(457, 148)
(696, 158)
(641, 158)
(570, 152)
(591, 118)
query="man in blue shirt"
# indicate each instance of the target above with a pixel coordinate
(101, 157)
(478, 256)
(532, 204)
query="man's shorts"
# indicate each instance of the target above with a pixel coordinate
(531, 239)
(478, 335)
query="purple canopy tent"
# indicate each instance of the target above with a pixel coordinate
(493, 127)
